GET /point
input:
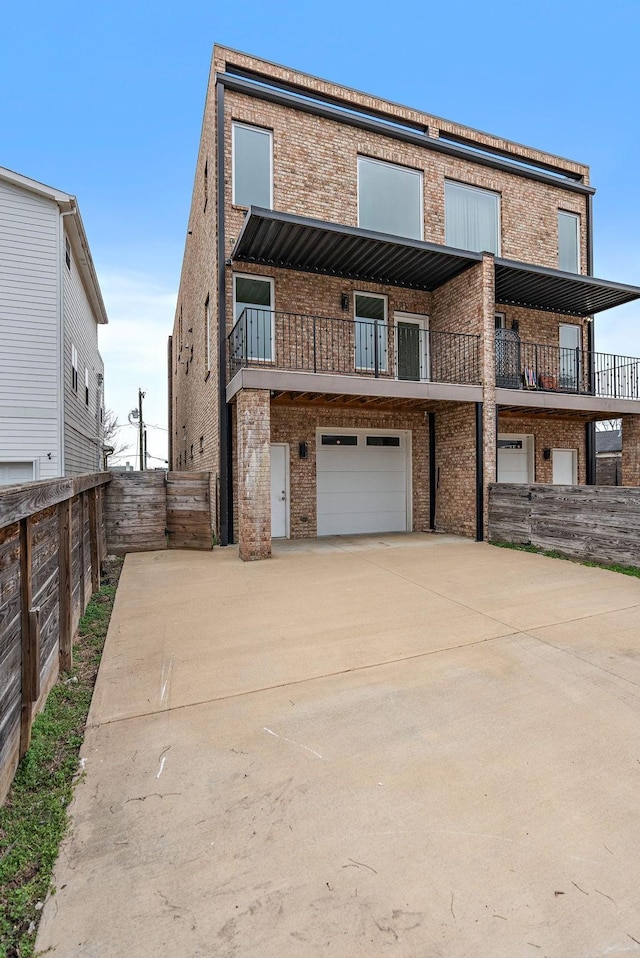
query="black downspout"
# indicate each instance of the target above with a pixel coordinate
(432, 471)
(479, 475)
(590, 427)
(226, 522)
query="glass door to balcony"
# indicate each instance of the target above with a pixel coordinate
(411, 347)
(569, 356)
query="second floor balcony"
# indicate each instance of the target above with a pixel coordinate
(357, 347)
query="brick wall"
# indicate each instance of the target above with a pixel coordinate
(456, 468)
(295, 424)
(549, 434)
(631, 450)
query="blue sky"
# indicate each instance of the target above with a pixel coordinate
(104, 100)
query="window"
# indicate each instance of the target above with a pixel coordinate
(74, 369)
(568, 242)
(86, 386)
(472, 218)
(253, 303)
(500, 321)
(371, 331)
(207, 333)
(252, 166)
(339, 441)
(389, 198)
(383, 440)
(67, 252)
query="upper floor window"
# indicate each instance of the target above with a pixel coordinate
(370, 331)
(253, 302)
(569, 241)
(86, 386)
(389, 198)
(74, 369)
(472, 218)
(252, 166)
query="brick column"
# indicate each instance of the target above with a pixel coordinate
(488, 369)
(253, 425)
(631, 450)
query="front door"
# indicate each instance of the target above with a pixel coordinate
(569, 338)
(279, 490)
(411, 347)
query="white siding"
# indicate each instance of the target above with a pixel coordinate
(29, 309)
(82, 427)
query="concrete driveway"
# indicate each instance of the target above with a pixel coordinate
(408, 745)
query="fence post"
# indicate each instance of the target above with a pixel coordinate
(65, 585)
(30, 635)
(81, 499)
(93, 541)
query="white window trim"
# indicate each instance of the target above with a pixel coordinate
(476, 189)
(503, 320)
(261, 129)
(34, 462)
(417, 319)
(576, 218)
(271, 281)
(396, 166)
(362, 319)
(74, 368)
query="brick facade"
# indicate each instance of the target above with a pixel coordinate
(631, 451)
(315, 175)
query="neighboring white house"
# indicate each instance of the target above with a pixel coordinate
(51, 372)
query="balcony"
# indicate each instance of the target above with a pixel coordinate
(321, 344)
(556, 369)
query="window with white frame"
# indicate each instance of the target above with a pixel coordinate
(74, 368)
(389, 198)
(370, 331)
(253, 314)
(472, 218)
(252, 166)
(86, 386)
(568, 241)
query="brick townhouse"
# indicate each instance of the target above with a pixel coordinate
(380, 313)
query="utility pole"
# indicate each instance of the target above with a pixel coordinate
(143, 463)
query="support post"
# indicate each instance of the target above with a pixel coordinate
(253, 413)
(479, 474)
(590, 452)
(29, 618)
(65, 585)
(432, 471)
(488, 426)
(93, 540)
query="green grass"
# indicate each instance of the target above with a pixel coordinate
(554, 554)
(33, 820)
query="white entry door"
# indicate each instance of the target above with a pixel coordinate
(363, 479)
(279, 490)
(14, 472)
(515, 460)
(565, 462)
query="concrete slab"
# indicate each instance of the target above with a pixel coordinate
(477, 800)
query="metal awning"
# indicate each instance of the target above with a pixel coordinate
(285, 241)
(552, 290)
(315, 246)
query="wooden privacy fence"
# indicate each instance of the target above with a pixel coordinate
(51, 545)
(600, 523)
(157, 510)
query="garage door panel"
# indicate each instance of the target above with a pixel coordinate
(376, 482)
(357, 502)
(362, 488)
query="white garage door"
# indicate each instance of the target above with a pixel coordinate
(514, 459)
(362, 482)
(12, 473)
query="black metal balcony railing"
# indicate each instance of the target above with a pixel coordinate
(524, 365)
(363, 347)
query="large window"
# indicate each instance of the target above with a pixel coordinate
(252, 166)
(389, 198)
(253, 305)
(472, 218)
(371, 331)
(569, 241)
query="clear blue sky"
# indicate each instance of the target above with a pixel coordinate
(104, 99)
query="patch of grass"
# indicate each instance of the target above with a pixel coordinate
(33, 821)
(554, 554)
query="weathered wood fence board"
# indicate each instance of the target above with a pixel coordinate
(146, 511)
(48, 549)
(599, 523)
